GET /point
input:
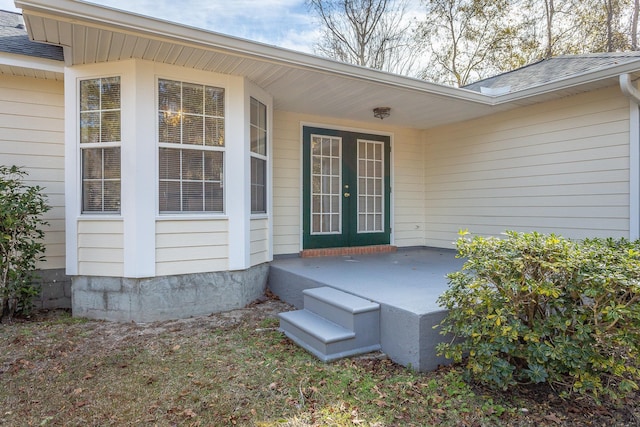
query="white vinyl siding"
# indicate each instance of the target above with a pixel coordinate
(259, 241)
(408, 188)
(287, 190)
(32, 137)
(100, 248)
(560, 167)
(191, 246)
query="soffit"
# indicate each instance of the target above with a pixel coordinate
(298, 82)
(16, 71)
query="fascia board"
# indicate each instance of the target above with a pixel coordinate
(109, 19)
(31, 62)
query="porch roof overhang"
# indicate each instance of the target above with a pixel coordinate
(297, 81)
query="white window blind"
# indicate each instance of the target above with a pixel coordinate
(191, 147)
(100, 139)
(258, 125)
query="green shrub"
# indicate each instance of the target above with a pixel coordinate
(21, 209)
(532, 308)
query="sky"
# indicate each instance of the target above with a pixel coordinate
(284, 23)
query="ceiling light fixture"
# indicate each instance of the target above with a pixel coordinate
(381, 112)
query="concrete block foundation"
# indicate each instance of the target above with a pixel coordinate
(164, 298)
(55, 290)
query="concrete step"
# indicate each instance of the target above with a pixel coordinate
(333, 324)
(340, 307)
(321, 337)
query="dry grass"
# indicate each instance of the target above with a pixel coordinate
(235, 368)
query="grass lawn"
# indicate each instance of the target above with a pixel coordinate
(235, 368)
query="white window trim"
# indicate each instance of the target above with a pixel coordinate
(265, 157)
(190, 215)
(109, 215)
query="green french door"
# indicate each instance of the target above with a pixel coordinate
(346, 188)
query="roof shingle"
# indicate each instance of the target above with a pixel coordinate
(553, 69)
(14, 39)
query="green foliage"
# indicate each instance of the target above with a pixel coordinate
(533, 308)
(21, 209)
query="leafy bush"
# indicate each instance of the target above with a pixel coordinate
(532, 308)
(21, 209)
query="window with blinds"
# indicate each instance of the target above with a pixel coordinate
(258, 125)
(100, 139)
(191, 147)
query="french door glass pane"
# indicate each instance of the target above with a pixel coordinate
(326, 183)
(370, 183)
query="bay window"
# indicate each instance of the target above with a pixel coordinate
(100, 139)
(191, 139)
(258, 121)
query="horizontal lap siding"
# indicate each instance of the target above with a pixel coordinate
(191, 246)
(408, 187)
(32, 137)
(100, 248)
(408, 183)
(286, 183)
(561, 167)
(259, 241)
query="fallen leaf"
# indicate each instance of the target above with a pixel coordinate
(553, 418)
(77, 391)
(175, 347)
(189, 413)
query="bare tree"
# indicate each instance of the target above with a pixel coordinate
(469, 39)
(370, 33)
(603, 25)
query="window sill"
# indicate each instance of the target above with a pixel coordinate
(191, 217)
(100, 217)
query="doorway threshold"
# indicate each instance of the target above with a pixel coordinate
(351, 250)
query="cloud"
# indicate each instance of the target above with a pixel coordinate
(285, 23)
(8, 5)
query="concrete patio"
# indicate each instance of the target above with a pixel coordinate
(406, 284)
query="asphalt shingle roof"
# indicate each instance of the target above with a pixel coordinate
(14, 39)
(553, 69)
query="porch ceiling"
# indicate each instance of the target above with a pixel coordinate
(298, 82)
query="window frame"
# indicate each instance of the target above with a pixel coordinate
(85, 146)
(261, 157)
(181, 147)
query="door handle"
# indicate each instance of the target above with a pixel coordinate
(347, 194)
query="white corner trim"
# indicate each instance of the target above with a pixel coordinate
(634, 170)
(631, 92)
(71, 174)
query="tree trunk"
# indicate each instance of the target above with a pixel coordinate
(634, 25)
(609, 7)
(550, 11)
